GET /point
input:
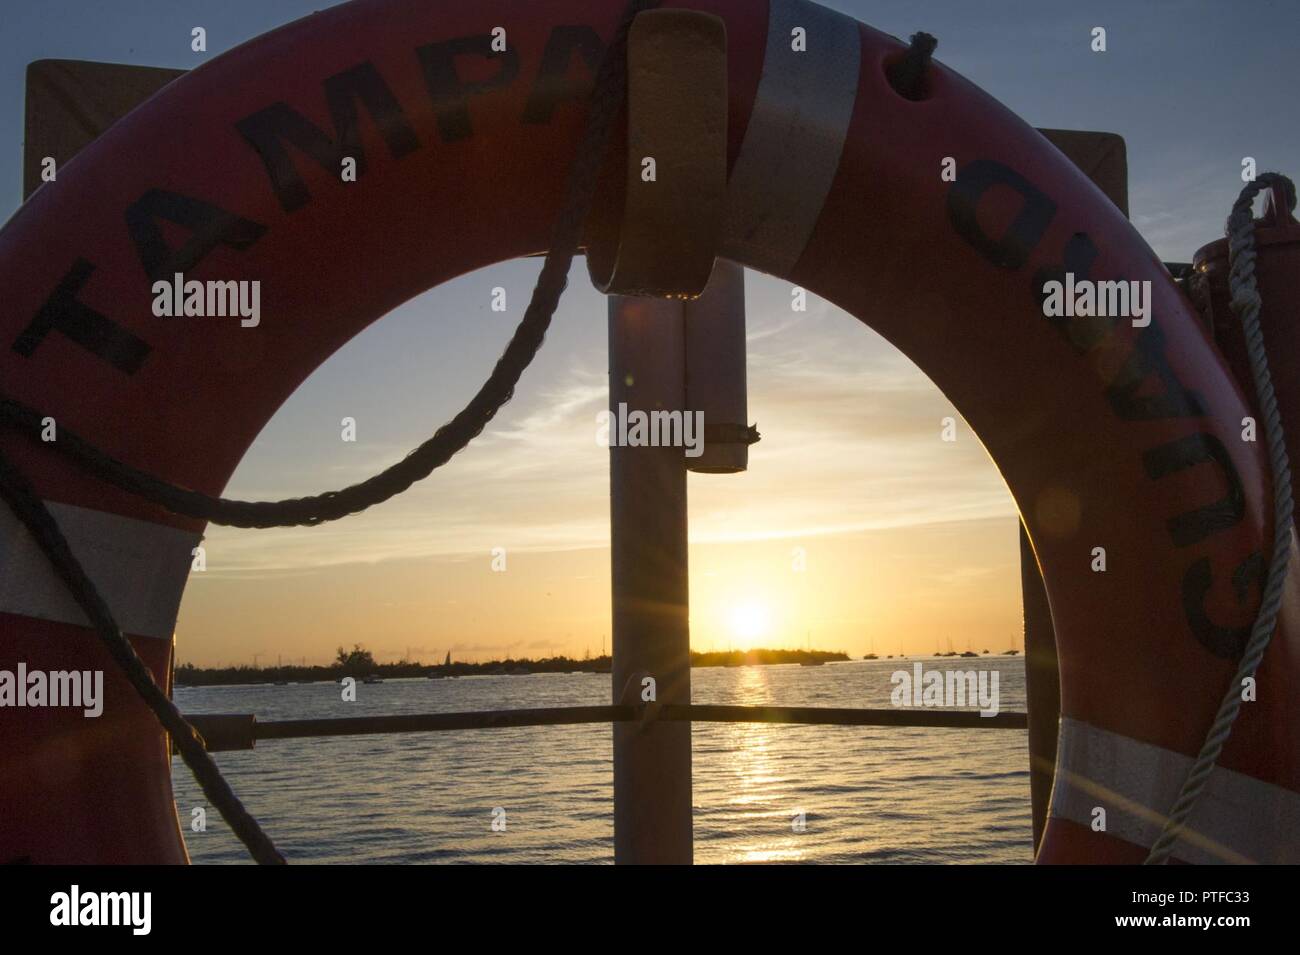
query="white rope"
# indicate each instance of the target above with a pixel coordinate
(1245, 302)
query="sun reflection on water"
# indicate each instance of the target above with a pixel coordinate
(869, 795)
(760, 802)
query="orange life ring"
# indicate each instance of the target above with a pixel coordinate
(1107, 435)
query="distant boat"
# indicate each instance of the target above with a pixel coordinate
(281, 682)
(1009, 653)
(812, 663)
(373, 678)
(969, 653)
(872, 656)
(446, 666)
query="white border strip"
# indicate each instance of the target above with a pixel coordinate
(139, 568)
(1237, 819)
(795, 136)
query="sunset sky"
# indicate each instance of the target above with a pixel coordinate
(908, 539)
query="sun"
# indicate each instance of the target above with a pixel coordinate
(749, 621)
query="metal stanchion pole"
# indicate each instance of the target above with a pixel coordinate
(652, 760)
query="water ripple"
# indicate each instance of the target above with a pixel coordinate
(762, 793)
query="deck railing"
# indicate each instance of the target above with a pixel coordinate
(241, 731)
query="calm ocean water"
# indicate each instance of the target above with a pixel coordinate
(868, 794)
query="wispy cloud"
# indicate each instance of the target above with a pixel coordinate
(851, 442)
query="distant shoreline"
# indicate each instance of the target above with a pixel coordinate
(189, 675)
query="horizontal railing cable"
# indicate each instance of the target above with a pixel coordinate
(242, 731)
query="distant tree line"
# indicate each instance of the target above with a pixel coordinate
(360, 662)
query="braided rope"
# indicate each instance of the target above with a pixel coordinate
(1246, 303)
(607, 99)
(27, 505)
(31, 510)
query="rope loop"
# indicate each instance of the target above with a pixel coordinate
(1246, 303)
(606, 101)
(31, 510)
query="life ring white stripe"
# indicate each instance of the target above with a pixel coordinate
(1237, 819)
(805, 98)
(140, 569)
